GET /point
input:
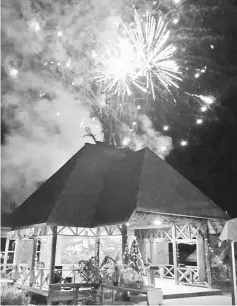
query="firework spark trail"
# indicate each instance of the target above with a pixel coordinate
(208, 100)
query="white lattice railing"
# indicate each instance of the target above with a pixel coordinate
(168, 270)
(23, 273)
(164, 271)
(69, 274)
(188, 275)
(7, 271)
(40, 278)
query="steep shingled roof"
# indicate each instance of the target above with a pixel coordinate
(104, 185)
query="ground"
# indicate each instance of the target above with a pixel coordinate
(201, 300)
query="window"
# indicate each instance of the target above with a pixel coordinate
(11, 251)
(11, 247)
(3, 246)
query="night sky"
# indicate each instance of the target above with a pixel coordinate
(210, 162)
(39, 123)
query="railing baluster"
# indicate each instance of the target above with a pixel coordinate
(102, 295)
(188, 274)
(41, 277)
(113, 296)
(168, 270)
(74, 275)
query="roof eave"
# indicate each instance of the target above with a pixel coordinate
(184, 216)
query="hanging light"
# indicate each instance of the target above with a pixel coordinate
(176, 20)
(199, 121)
(157, 222)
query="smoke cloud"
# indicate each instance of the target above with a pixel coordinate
(43, 137)
(149, 137)
(46, 93)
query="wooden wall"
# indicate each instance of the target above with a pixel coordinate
(156, 251)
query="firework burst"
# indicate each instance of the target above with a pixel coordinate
(117, 68)
(154, 53)
(144, 59)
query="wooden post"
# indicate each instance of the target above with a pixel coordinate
(6, 256)
(16, 252)
(151, 249)
(207, 261)
(102, 295)
(53, 254)
(207, 255)
(97, 247)
(142, 247)
(175, 260)
(152, 271)
(52, 263)
(124, 233)
(41, 271)
(233, 274)
(49, 298)
(113, 296)
(74, 274)
(16, 256)
(201, 266)
(32, 265)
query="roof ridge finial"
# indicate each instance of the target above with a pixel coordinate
(89, 134)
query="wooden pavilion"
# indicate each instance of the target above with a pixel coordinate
(103, 191)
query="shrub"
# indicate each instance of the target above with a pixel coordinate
(10, 295)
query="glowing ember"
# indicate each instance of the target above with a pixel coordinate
(34, 25)
(183, 143)
(203, 109)
(13, 72)
(207, 99)
(126, 141)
